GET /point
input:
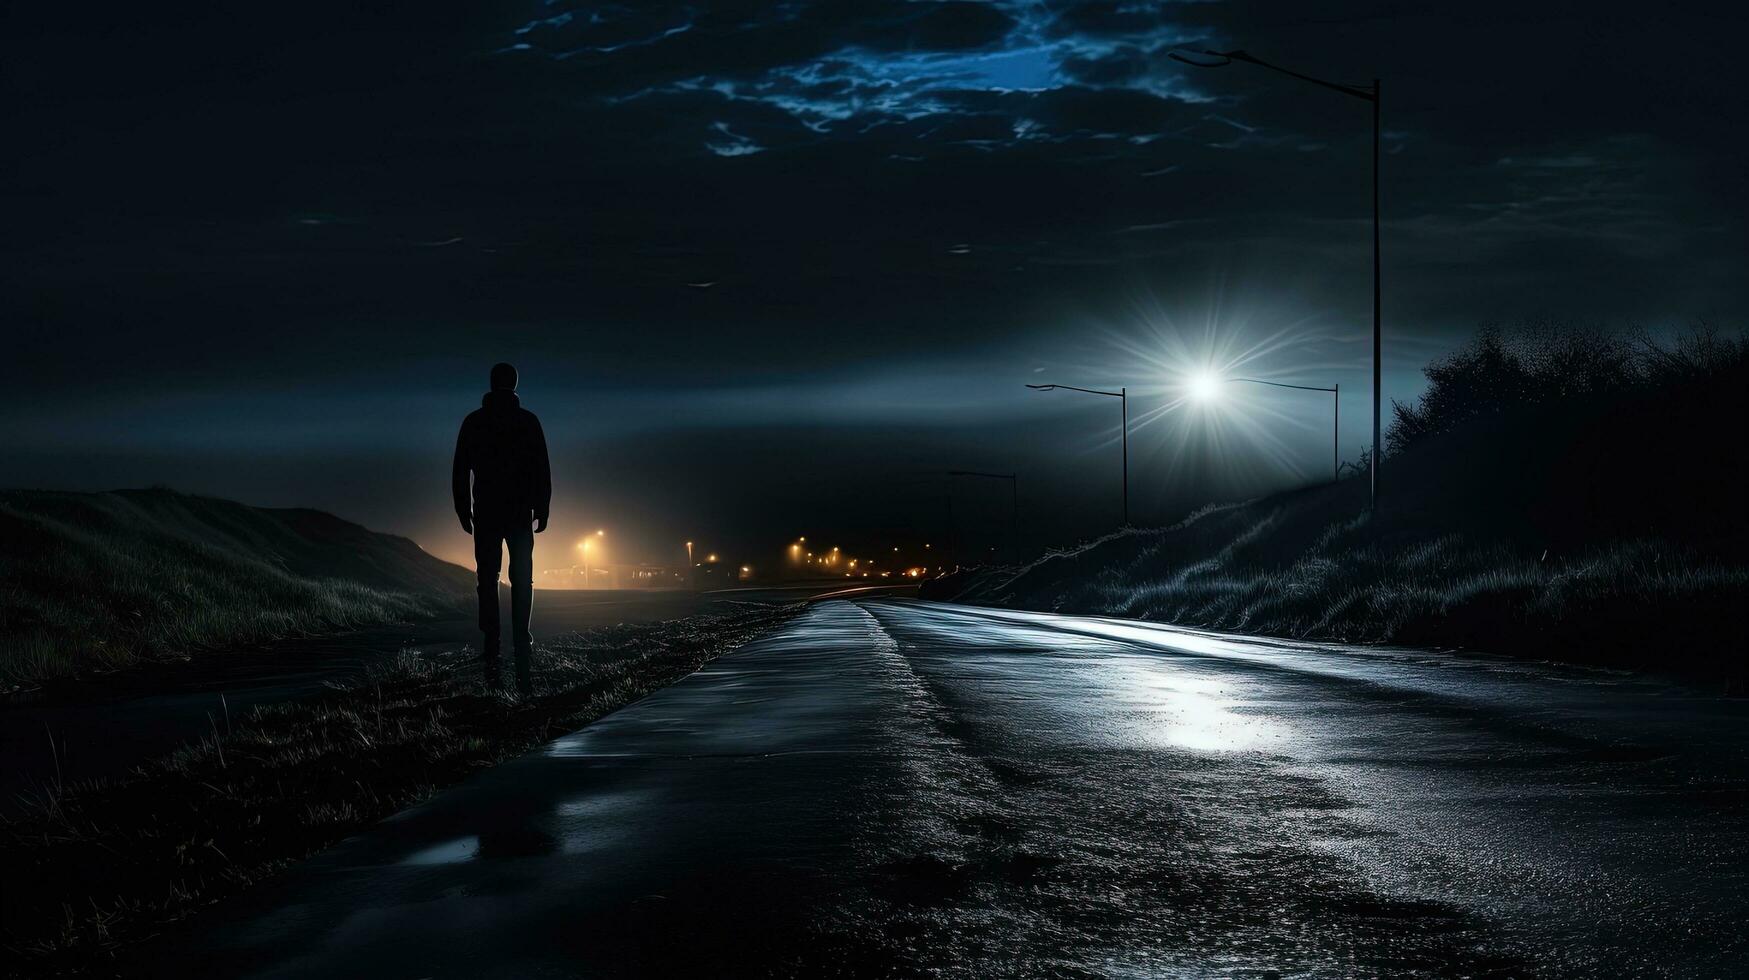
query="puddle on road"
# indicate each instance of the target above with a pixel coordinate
(449, 852)
(1177, 709)
(514, 842)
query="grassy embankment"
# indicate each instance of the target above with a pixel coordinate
(97, 581)
(95, 867)
(1569, 496)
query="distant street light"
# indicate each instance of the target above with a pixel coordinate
(1369, 94)
(1122, 395)
(1335, 422)
(1014, 492)
(583, 546)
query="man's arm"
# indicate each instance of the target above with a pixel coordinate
(458, 480)
(543, 480)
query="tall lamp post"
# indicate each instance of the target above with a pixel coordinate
(1014, 492)
(1122, 395)
(1335, 420)
(1368, 93)
(583, 546)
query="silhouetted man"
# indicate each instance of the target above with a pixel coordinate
(502, 445)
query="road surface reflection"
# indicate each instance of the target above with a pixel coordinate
(906, 788)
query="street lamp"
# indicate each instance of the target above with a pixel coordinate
(1203, 389)
(583, 546)
(1369, 94)
(1122, 395)
(1014, 491)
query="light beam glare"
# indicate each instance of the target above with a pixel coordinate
(1189, 419)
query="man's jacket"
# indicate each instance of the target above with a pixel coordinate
(502, 445)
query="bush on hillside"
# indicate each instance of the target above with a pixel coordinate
(1543, 364)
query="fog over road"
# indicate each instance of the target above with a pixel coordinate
(894, 787)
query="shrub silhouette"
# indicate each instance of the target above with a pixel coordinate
(1547, 363)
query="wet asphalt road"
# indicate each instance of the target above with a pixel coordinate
(906, 788)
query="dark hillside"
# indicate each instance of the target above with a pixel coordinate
(93, 581)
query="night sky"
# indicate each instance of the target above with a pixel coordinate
(768, 268)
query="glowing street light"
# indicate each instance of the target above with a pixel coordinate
(1366, 93)
(583, 546)
(1204, 386)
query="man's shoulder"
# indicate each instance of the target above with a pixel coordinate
(519, 414)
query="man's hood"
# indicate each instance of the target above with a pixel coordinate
(500, 401)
